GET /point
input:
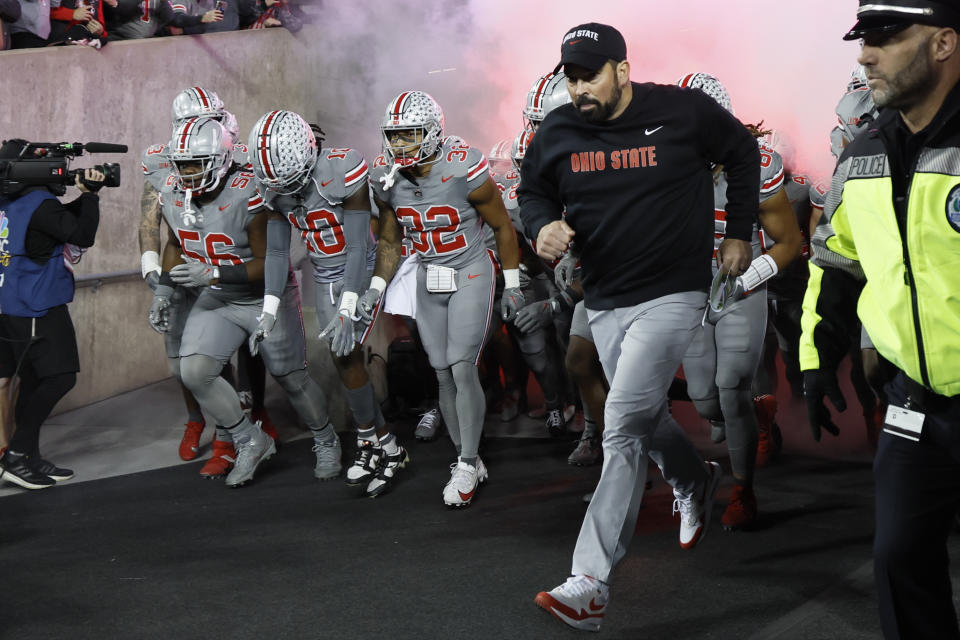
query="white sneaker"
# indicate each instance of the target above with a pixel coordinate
(695, 508)
(463, 483)
(581, 602)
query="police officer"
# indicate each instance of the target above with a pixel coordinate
(37, 340)
(888, 249)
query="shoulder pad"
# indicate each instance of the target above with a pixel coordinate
(771, 172)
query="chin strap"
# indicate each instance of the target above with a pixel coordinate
(188, 215)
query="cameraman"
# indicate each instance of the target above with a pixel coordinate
(37, 340)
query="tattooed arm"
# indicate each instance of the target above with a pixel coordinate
(149, 234)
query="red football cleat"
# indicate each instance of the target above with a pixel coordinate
(221, 462)
(190, 443)
(741, 511)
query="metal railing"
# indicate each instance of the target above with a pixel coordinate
(97, 280)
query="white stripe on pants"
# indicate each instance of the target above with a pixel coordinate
(640, 348)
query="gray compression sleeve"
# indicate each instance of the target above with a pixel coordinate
(276, 266)
(356, 230)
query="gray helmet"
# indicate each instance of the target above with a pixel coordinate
(418, 111)
(547, 93)
(199, 102)
(709, 85)
(520, 144)
(283, 151)
(201, 140)
(856, 110)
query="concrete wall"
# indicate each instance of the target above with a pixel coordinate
(122, 94)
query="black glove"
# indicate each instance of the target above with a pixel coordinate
(818, 383)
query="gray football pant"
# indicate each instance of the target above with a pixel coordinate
(640, 348)
(720, 365)
(453, 327)
(201, 374)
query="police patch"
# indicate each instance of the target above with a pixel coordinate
(953, 208)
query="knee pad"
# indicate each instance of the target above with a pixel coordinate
(198, 371)
(737, 406)
(464, 374)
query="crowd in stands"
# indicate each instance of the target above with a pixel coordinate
(44, 23)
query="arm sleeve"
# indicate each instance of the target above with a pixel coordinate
(726, 141)
(538, 192)
(75, 222)
(277, 261)
(356, 229)
(64, 14)
(836, 280)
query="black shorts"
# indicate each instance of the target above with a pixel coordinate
(52, 350)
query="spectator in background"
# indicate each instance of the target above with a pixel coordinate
(32, 29)
(232, 15)
(9, 12)
(134, 19)
(276, 13)
(79, 21)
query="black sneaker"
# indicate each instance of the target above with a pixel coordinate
(15, 468)
(49, 469)
(365, 463)
(390, 465)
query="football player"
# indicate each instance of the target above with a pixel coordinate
(323, 194)
(546, 94)
(721, 361)
(190, 103)
(440, 192)
(217, 244)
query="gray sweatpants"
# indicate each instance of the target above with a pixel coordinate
(640, 348)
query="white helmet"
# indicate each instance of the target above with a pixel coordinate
(521, 143)
(499, 156)
(201, 140)
(283, 151)
(199, 102)
(709, 85)
(858, 79)
(856, 110)
(418, 111)
(547, 93)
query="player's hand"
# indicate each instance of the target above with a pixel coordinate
(340, 330)
(554, 239)
(511, 302)
(734, 256)
(534, 316)
(94, 27)
(367, 304)
(212, 16)
(193, 274)
(159, 314)
(152, 280)
(818, 383)
(267, 320)
(564, 274)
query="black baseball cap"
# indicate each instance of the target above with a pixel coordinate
(590, 45)
(890, 16)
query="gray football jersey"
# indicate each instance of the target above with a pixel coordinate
(442, 225)
(156, 167)
(771, 181)
(218, 235)
(338, 174)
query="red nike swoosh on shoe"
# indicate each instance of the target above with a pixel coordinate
(323, 184)
(224, 207)
(445, 179)
(595, 607)
(467, 496)
(472, 276)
